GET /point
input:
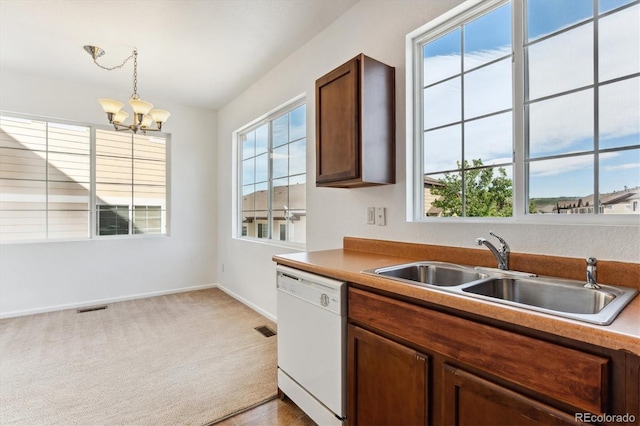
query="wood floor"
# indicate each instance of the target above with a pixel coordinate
(273, 413)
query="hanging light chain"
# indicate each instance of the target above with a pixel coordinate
(135, 75)
(133, 55)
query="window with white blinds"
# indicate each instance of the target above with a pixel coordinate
(67, 181)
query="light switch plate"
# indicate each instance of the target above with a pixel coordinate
(381, 216)
(371, 215)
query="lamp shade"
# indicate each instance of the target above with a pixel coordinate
(159, 115)
(110, 106)
(146, 121)
(120, 117)
(140, 107)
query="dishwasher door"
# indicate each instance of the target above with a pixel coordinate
(312, 335)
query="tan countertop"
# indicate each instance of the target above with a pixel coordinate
(346, 264)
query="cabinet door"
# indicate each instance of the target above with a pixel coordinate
(388, 382)
(337, 124)
(470, 400)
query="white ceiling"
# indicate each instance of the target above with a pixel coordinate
(201, 53)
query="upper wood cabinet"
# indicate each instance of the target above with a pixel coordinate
(355, 125)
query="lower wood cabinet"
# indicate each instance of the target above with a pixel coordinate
(471, 401)
(387, 381)
(412, 365)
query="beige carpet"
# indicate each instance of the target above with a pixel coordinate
(182, 359)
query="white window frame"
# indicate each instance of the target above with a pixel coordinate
(237, 226)
(93, 207)
(414, 116)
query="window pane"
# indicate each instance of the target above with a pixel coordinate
(297, 195)
(280, 130)
(619, 44)
(490, 139)
(147, 220)
(443, 195)
(68, 196)
(69, 167)
(114, 170)
(442, 104)
(248, 197)
(23, 194)
(488, 89)
(23, 225)
(561, 63)
(114, 193)
(23, 134)
(298, 157)
(248, 143)
(620, 177)
(248, 171)
(281, 161)
(262, 167)
(280, 194)
(111, 143)
(488, 37)
(262, 139)
(153, 196)
(149, 172)
(563, 179)
(150, 148)
(561, 125)
(298, 123)
(442, 57)
(607, 5)
(22, 164)
(113, 220)
(442, 149)
(489, 192)
(619, 114)
(67, 138)
(68, 224)
(547, 16)
(262, 197)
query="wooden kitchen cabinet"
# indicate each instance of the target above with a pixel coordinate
(475, 373)
(471, 401)
(387, 381)
(355, 125)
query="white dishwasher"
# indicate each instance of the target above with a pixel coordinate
(312, 324)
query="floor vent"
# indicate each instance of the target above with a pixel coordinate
(265, 331)
(93, 308)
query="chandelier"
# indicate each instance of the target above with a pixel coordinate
(144, 115)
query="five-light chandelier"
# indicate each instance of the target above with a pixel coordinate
(144, 115)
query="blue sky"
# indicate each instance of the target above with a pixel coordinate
(560, 125)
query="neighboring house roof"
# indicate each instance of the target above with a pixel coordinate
(611, 198)
(429, 181)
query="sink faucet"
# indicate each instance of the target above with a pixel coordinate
(591, 273)
(502, 254)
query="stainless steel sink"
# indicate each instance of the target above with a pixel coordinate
(553, 296)
(565, 298)
(560, 297)
(438, 274)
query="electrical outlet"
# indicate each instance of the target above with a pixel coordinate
(381, 216)
(371, 215)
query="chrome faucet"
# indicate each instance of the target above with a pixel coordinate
(502, 254)
(591, 273)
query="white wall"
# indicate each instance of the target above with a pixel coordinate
(376, 28)
(42, 276)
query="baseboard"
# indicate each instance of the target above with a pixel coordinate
(248, 303)
(12, 314)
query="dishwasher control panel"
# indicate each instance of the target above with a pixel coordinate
(321, 291)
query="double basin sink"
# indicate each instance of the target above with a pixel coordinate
(555, 296)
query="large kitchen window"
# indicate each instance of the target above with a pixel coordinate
(68, 181)
(272, 176)
(526, 109)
